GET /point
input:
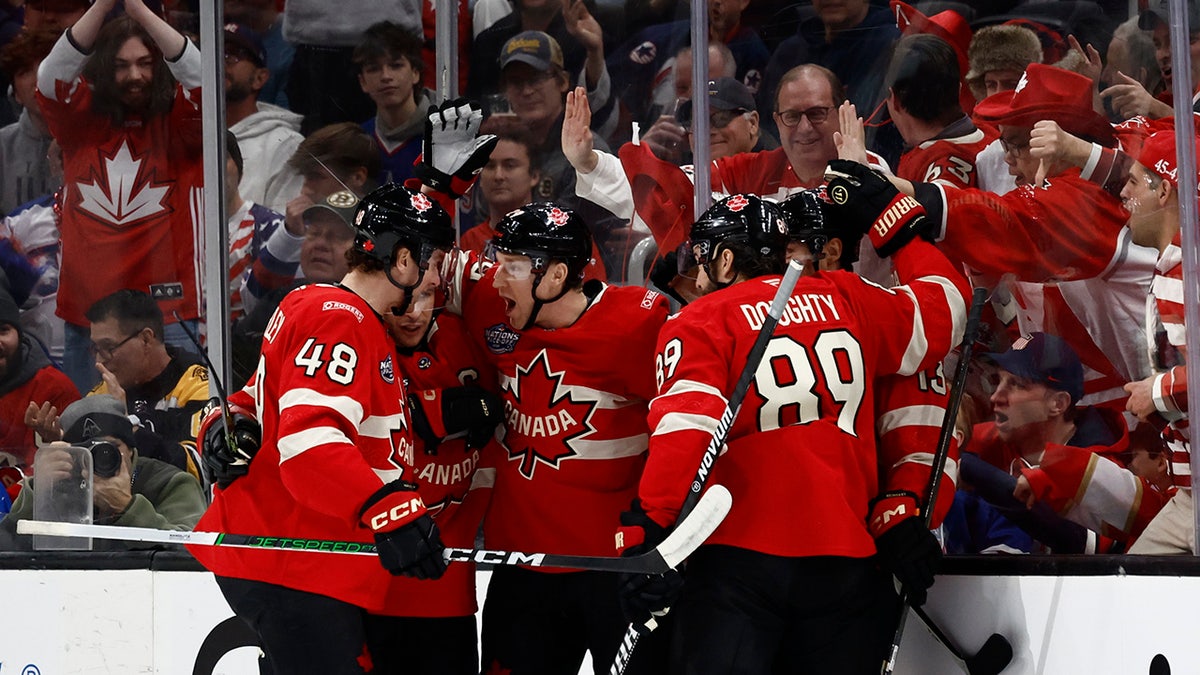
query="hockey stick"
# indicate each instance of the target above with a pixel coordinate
(765, 332)
(689, 534)
(996, 651)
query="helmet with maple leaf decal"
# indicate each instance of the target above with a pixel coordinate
(754, 223)
(393, 215)
(546, 232)
(810, 220)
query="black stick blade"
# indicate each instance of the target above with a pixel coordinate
(993, 657)
(1159, 665)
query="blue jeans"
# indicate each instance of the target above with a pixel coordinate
(80, 365)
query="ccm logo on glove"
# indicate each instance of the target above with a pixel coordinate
(893, 214)
(400, 512)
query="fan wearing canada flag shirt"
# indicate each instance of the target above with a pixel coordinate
(123, 101)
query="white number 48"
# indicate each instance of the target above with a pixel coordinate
(342, 360)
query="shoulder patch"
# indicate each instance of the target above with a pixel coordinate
(387, 370)
(648, 299)
(501, 339)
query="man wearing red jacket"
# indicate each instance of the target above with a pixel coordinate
(336, 460)
(770, 590)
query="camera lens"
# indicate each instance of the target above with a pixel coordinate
(106, 459)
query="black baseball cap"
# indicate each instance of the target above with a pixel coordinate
(247, 39)
(724, 93)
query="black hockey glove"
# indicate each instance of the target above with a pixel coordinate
(474, 410)
(221, 463)
(437, 414)
(872, 205)
(664, 272)
(405, 535)
(644, 596)
(911, 553)
(452, 152)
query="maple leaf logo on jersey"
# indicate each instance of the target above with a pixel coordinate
(737, 203)
(546, 418)
(121, 195)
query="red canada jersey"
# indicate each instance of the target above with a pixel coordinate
(335, 428)
(132, 197)
(575, 432)
(456, 482)
(801, 458)
(949, 161)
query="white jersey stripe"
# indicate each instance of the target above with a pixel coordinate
(672, 422)
(910, 416)
(344, 405)
(293, 445)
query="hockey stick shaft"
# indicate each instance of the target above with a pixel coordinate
(765, 332)
(970, 332)
(683, 540)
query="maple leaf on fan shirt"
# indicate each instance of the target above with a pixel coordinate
(127, 196)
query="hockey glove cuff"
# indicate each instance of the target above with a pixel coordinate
(226, 457)
(452, 154)
(474, 410)
(891, 507)
(406, 537)
(912, 554)
(871, 204)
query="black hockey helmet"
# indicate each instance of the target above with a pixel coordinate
(544, 232)
(811, 220)
(742, 218)
(392, 215)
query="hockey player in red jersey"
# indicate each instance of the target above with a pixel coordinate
(575, 364)
(787, 583)
(335, 460)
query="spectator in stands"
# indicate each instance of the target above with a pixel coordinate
(24, 167)
(33, 229)
(267, 134)
(644, 67)
(27, 380)
(942, 142)
(851, 38)
(389, 71)
(164, 388)
(110, 97)
(263, 17)
(1038, 384)
(53, 15)
(321, 84)
(250, 226)
(998, 56)
(141, 492)
(1129, 97)
(339, 157)
(663, 132)
(579, 48)
(1130, 52)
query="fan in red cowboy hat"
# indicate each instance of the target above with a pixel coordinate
(1048, 93)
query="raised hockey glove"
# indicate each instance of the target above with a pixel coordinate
(874, 206)
(220, 461)
(405, 535)
(452, 152)
(644, 596)
(664, 272)
(907, 549)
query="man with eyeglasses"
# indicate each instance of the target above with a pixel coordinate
(163, 389)
(266, 134)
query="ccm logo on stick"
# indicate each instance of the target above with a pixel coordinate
(894, 213)
(496, 557)
(398, 512)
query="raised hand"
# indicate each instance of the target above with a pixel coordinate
(577, 143)
(851, 139)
